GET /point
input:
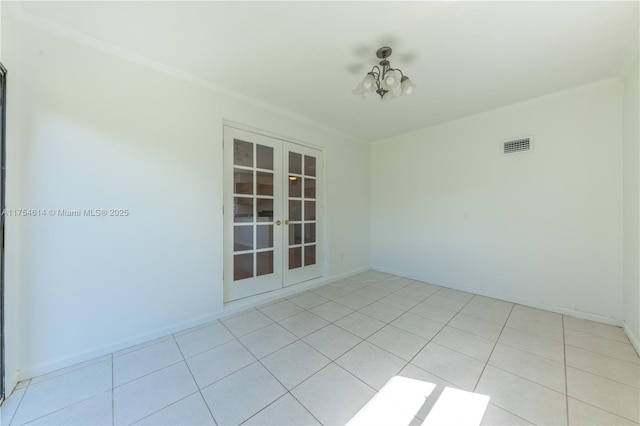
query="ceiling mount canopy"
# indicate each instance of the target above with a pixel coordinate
(383, 79)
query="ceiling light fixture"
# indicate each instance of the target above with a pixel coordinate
(383, 79)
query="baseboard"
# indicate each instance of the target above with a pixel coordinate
(49, 367)
(509, 298)
(635, 341)
(228, 310)
(347, 275)
(398, 273)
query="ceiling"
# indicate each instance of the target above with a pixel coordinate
(307, 57)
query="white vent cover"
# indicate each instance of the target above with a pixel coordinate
(523, 144)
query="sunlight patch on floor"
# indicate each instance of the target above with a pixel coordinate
(401, 398)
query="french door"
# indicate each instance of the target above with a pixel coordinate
(272, 220)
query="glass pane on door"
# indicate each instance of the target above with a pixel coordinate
(265, 183)
(309, 255)
(264, 157)
(242, 153)
(242, 209)
(295, 257)
(265, 262)
(243, 238)
(264, 236)
(242, 266)
(295, 187)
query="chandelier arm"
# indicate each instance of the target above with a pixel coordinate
(397, 69)
(376, 73)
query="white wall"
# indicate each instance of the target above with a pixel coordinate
(99, 131)
(631, 132)
(542, 228)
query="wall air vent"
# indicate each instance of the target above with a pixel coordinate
(518, 145)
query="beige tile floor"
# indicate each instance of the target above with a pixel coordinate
(319, 356)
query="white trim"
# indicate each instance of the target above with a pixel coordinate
(111, 49)
(635, 340)
(229, 309)
(508, 298)
(347, 274)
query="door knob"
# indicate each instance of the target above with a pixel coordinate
(278, 222)
(286, 222)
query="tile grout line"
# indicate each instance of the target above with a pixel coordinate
(71, 368)
(529, 352)
(302, 405)
(199, 391)
(19, 403)
(338, 365)
(168, 337)
(627, 342)
(142, 346)
(405, 312)
(493, 349)
(244, 313)
(57, 410)
(605, 355)
(634, 422)
(564, 362)
(606, 378)
(566, 380)
(259, 360)
(489, 358)
(113, 402)
(601, 377)
(442, 328)
(147, 374)
(420, 350)
(376, 331)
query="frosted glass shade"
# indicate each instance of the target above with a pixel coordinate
(391, 79)
(359, 90)
(406, 86)
(369, 82)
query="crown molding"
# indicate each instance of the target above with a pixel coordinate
(90, 41)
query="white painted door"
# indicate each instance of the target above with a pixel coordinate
(252, 214)
(302, 256)
(272, 208)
